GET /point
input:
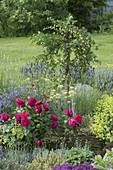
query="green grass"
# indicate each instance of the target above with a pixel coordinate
(105, 48)
(16, 52)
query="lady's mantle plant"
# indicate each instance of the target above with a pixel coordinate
(34, 120)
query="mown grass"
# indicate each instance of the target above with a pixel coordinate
(105, 48)
(16, 52)
(21, 49)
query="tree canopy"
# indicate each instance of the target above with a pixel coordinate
(25, 17)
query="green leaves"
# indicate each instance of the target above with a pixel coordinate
(66, 46)
(104, 163)
(103, 119)
(78, 155)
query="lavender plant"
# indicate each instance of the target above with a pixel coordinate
(8, 97)
(86, 98)
(84, 95)
(35, 71)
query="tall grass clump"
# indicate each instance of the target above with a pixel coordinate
(86, 98)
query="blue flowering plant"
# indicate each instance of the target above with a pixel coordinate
(7, 98)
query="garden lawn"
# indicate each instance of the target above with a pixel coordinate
(16, 52)
(20, 50)
(105, 48)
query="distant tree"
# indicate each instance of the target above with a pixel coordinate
(85, 10)
(23, 17)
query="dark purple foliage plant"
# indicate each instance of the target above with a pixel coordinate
(84, 166)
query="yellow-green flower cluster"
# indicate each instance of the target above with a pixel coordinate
(61, 93)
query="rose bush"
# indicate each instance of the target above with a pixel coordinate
(35, 122)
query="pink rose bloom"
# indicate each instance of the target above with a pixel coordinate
(24, 114)
(72, 122)
(38, 102)
(31, 102)
(20, 102)
(38, 109)
(38, 143)
(4, 116)
(17, 117)
(53, 125)
(78, 118)
(68, 112)
(54, 117)
(46, 107)
(25, 122)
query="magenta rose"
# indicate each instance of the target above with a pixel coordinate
(54, 117)
(17, 117)
(72, 122)
(24, 114)
(25, 121)
(38, 102)
(68, 112)
(53, 125)
(78, 118)
(20, 102)
(31, 102)
(46, 107)
(4, 116)
(38, 143)
(38, 109)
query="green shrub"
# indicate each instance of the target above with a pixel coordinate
(77, 155)
(102, 125)
(105, 163)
